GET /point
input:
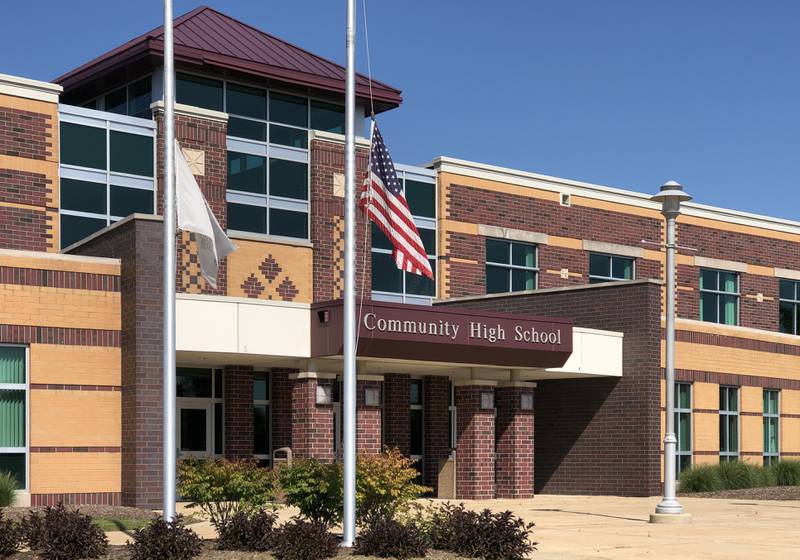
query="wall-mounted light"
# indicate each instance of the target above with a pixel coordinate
(487, 400)
(325, 393)
(526, 401)
(372, 396)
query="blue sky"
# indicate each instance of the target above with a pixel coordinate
(625, 93)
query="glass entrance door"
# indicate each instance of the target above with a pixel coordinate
(194, 429)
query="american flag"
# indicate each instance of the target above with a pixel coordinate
(383, 201)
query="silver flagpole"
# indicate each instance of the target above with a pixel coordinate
(349, 408)
(169, 268)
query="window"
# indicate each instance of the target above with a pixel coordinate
(608, 268)
(388, 282)
(327, 117)
(771, 427)
(789, 305)
(198, 91)
(719, 297)
(13, 413)
(200, 405)
(510, 266)
(261, 417)
(131, 99)
(683, 426)
(417, 426)
(107, 171)
(728, 424)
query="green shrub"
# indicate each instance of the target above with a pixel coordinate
(304, 540)
(385, 484)
(315, 488)
(221, 487)
(10, 536)
(765, 477)
(165, 540)
(736, 475)
(8, 489)
(248, 531)
(786, 473)
(488, 535)
(62, 534)
(387, 538)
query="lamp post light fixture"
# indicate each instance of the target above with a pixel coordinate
(669, 510)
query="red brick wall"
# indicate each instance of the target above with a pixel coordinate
(312, 424)
(238, 393)
(368, 420)
(25, 134)
(475, 456)
(436, 400)
(25, 229)
(514, 444)
(281, 404)
(397, 400)
(23, 187)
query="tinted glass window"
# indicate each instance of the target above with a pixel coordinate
(246, 101)
(246, 173)
(419, 285)
(288, 178)
(287, 223)
(522, 280)
(428, 237)
(193, 382)
(117, 102)
(198, 91)
(261, 429)
(139, 97)
(523, 255)
(193, 430)
(15, 464)
(83, 196)
(385, 275)
(708, 280)
(599, 265)
(327, 117)
(242, 217)
(260, 387)
(75, 228)
(379, 240)
(421, 198)
(497, 280)
(83, 145)
(622, 268)
(131, 153)
(497, 251)
(286, 136)
(243, 128)
(288, 109)
(218, 429)
(416, 432)
(787, 290)
(126, 201)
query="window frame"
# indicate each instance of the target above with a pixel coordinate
(717, 293)
(108, 122)
(452, 412)
(417, 458)
(98, 102)
(268, 403)
(407, 172)
(510, 266)
(214, 399)
(728, 455)
(772, 456)
(26, 387)
(678, 412)
(611, 258)
(795, 303)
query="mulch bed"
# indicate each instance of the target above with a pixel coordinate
(767, 493)
(109, 512)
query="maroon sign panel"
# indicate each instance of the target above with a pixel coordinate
(416, 332)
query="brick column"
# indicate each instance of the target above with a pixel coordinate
(514, 442)
(312, 424)
(436, 400)
(368, 419)
(238, 394)
(281, 404)
(474, 444)
(397, 399)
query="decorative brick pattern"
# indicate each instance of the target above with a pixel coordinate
(83, 499)
(26, 134)
(312, 424)
(735, 380)
(58, 279)
(92, 449)
(396, 410)
(63, 387)
(252, 287)
(436, 400)
(26, 229)
(24, 187)
(475, 456)
(25, 334)
(270, 268)
(287, 290)
(514, 444)
(238, 393)
(368, 420)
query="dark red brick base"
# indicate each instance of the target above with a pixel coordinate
(84, 499)
(475, 445)
(514, 444)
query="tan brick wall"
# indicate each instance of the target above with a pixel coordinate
(59, 307)
(703, 357)
(75, 365)
(790, 435)
(751, 434)
(705, 395)
(75, 418)
(64, 263)
(53, 473)
(258, 270)
(751, 399)
(706, 432)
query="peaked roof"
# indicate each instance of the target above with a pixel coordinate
(205, 36)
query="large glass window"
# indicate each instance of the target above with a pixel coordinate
(13, 413)
(719, 297)
(388, 282)
(198, 91)
(201, 413)
(728, 423)
(510, 266)
(788, 307)
(261, 416)
(107, 172)
(609, 268)
(132, 99)
(772, 418)
(327, 117)
(683, 425)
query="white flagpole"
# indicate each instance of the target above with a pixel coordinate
(349, 404)
(168, 358)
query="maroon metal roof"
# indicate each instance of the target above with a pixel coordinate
(207, 37)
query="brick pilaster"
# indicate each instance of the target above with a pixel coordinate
(397, 399)
(474, 445)
(281, 403)
(368, 419)
(514, 444)
(312, 424)
(436, 399)
(238, 411)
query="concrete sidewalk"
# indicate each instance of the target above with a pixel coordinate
(581, 527)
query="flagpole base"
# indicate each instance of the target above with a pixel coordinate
(671, 518)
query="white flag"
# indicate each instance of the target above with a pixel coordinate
(195, 215)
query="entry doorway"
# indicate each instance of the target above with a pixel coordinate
(199, 414)
(194, 427)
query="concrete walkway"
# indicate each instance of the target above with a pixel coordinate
(602, 527)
